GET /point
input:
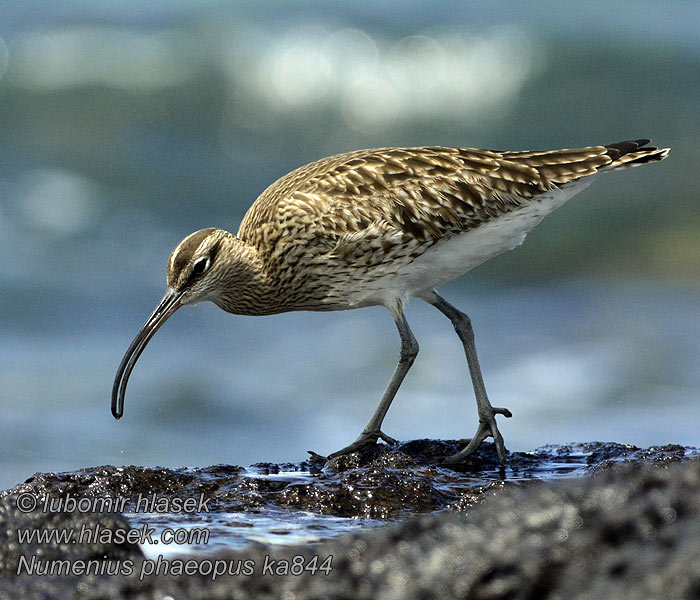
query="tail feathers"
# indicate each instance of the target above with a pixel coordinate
(632, 154)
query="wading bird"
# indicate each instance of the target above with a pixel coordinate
(377, 227)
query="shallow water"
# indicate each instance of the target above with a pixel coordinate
(275, 525)
(233, 531)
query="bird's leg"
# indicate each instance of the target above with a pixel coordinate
(487, 413)
(372, 431)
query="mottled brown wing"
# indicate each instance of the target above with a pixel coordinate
(422, 193)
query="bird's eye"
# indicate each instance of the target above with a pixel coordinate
(200, 265)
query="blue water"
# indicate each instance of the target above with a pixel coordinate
(127, 125)
(574, 362)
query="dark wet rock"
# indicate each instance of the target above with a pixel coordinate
(632, 530)
(379, 482)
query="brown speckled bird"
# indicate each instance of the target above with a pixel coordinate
(379, 227)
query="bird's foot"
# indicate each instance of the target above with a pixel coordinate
(487, 427)
(366, 438)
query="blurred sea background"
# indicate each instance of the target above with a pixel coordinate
(125, 125)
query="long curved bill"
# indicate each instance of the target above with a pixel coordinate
(168, 305)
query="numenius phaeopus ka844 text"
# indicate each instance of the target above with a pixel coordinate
(377, 227)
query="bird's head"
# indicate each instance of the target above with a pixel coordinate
(195, 268)
(195, 271)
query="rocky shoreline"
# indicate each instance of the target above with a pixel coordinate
(623, 523)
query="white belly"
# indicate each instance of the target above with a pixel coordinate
(448, 260)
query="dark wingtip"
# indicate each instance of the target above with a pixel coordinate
(642, 153)
(619, 149)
